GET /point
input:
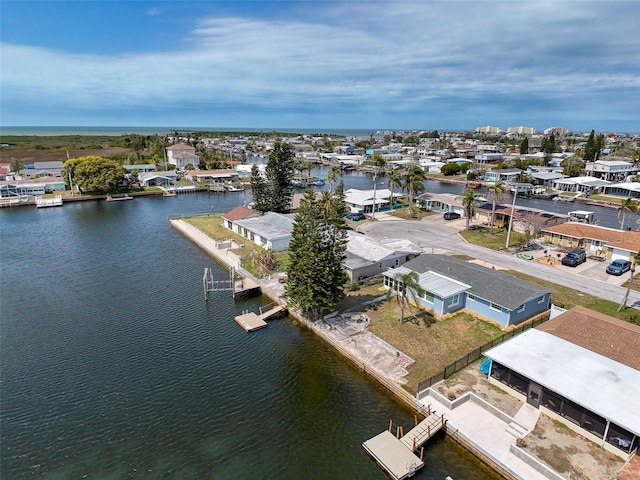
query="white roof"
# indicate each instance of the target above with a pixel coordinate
(271, 226)
(598, 383)
(365, 197)
(630, 186)
(584, 181)
(433, 282)
(375, 251)
(614, 163)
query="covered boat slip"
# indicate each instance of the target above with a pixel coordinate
(396, 455)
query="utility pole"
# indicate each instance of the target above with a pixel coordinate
(513, 210)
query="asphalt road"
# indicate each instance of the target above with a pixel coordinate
(433, 236)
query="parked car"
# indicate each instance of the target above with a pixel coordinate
(355, 216)
(575, 257)
(451, 215)
(618, 267)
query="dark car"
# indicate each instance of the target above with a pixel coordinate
(575, 257)
(618, 267)
(451, 215)
(355, 216)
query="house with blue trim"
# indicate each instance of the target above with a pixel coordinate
(450, 284)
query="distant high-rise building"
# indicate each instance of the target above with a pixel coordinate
(488, 129)
(557, 131)
(521, 130)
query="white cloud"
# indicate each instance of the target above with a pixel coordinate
(354, 55)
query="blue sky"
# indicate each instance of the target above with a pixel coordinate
(321, 64)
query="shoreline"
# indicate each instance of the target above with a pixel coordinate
(269, 289)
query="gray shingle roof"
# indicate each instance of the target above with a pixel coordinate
(492, 285)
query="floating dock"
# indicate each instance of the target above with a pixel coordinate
(395, 454)
(251, 321)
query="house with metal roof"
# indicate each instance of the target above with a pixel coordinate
(366, 256)
(362, 201)
(450, 284)
(581, 368)
(271, 230)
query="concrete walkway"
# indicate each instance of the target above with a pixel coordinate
(494, 433)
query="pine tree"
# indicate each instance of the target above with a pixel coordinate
(592, 148)
(524, 146)
(315, 276)
(259, 190)
(280, 171)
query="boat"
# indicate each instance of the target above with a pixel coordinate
(49, 202)
(474, 184)
(169, 193)
(524, 256)
(118, 198)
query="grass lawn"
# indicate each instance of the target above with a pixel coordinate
(418, 213)
(433, 344)
(482, 236)
(567, 298)
(212, 226)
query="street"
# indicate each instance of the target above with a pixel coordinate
(434, 236)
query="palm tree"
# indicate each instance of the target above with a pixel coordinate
(626, 204)
(407, 288)
(496, 190)
(378, 163)
(469, 202)
(413, 183)
(334, 173)
(394, 179)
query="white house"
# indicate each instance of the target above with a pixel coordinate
(149, 179)
(610, 170)
(362, 201)
(182, 155)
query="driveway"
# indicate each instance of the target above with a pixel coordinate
(436, 235)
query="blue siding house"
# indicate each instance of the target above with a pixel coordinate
(450, 284)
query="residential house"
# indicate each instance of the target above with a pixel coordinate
(181, 155)
(587, 185)
(441, 202)
(610, 170)
(362, 201)
(141, 168)
(489, 157)
(150, 179)
(30, 187)
(525, 220)
(450, 284)
(507, 175)
(271, 230)
(225, 175)
(43, 169)
(626, 189)
(614, 244)
(367, 256)
(580, 368)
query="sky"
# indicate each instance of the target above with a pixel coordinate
(356, 64)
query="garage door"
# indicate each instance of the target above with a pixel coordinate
(619, 254)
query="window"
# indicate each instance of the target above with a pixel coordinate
(397, 261)
(454, 300)
(541, 299)
(428, 296)
(496, 307)
(520, 308)
(471, 297)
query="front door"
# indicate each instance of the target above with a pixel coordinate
(534, 395)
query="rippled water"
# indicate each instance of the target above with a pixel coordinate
(114, 366)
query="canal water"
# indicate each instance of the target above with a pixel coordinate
(114, 367)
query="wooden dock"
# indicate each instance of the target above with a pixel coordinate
(395, 454)
(251, 321)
